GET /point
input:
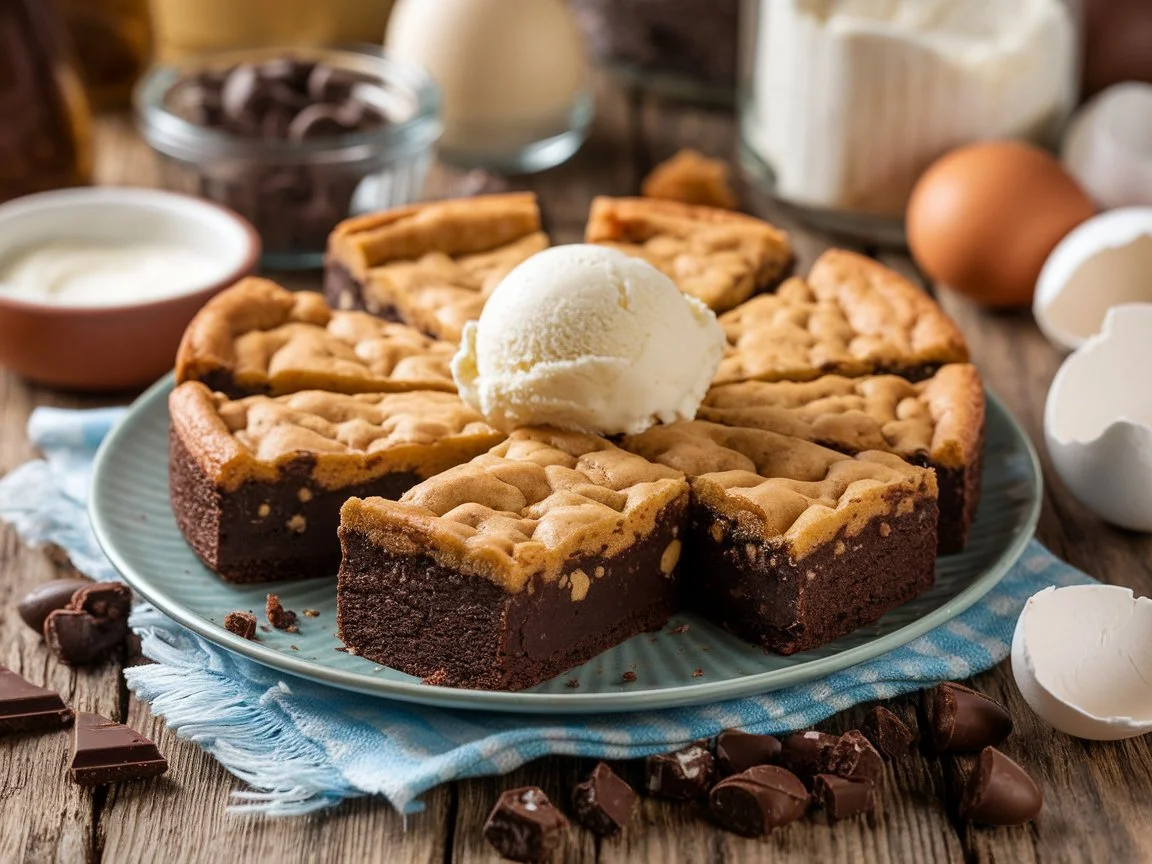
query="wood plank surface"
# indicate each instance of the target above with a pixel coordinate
(1096, 794)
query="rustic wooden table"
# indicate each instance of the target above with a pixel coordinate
(1097, 795)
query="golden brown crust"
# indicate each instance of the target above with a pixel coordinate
(525, 509)
(458, 226)
(785, 491)
(691, 178)
(850, 316)
(941, 418)
(720, 257)
(269, 340)
(349, 439)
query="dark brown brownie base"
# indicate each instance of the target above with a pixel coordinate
(772, 601)
(344, 291)
(265, 531)
(460, 630)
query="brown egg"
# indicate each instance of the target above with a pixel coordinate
(984, 218)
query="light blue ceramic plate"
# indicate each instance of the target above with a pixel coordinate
(135, 526)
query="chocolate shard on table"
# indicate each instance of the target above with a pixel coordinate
(937, 423)
(603, 803)
(683, 775)
(717, 256)
(107, 752)
(844, 797)
(738, 751)
(805, 753)
(513, 568)
(888, 733)
(257, 338)
(758, 800)
(790, 545)
(92, 625)
(525, 826)
(1000, 792)
(243, 624)
(432, 265)
(109, 602)
(47, 597)
(257, 483)
(24, 707)
(963, 720)
(853, 757)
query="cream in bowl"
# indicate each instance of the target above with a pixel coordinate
(97, 284)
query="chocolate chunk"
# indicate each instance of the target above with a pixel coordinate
(854, 757)
(79, 638)
(1000, 792)
(107, 752)
(25, 707)
(524, 825)
(680, 776)
(757, 800)
(844, 797)
(278, 616)
(603, 803)
(243, 94)
(241, 623)
(288, 70)
(888, 733)
(738, 751)
(329, 84)
(804, 753)
(960, 719)
(47, 597)
(107, 601)
(318, 121)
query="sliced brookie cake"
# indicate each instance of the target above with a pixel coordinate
(257, 483)
(850, 316)
(431, 265)
(717, 256)
(937, 423)
(790, 545)
(258, 338)
(506, 571)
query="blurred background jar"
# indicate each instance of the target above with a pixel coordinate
(46, 130)
(188, 27)
(844, 103)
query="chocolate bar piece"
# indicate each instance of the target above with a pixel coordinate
(1000, 792)
(603, 803)
(888, 733)
(757, 800)
(107, 752)
(854, 757)
(844, 797)
(680, 776)
(805, 753)
(25, 707)
(960, 719)
(738, 751)
(525, 826)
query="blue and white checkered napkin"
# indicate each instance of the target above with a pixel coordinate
(301, 746)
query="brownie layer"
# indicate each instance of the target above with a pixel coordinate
(755, 589)
(264, 531)
(457, 629)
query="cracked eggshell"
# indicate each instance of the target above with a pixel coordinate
(1102, 263)
(1108, 147)
(1098, 419)
(1080, 658)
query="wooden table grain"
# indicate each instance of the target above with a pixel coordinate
(1097, 795)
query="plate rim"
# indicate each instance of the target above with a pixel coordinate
(544, 703)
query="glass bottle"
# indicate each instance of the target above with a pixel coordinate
(46, 132)
(113, 44)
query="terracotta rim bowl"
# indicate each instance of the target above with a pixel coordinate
(124, 346)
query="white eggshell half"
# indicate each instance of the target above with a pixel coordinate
(1108, 147)
(1101, 263)
(1098, 419)
(1080, 656)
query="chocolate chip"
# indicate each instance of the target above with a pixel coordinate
(758, 800)
(243, 624)
(888, 733)
(278, 616)
(603, 803)
(960, 719)
(738, 751)
(292, 72)
(844, 797)
(329, 84)
(1000, 792)
(243, 94)
(78, 638)
(854, 756)
(45, 598)
(804, 753)
(524, 825)
(318, 121)
(680, 776)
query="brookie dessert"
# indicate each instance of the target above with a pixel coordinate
(432, 265)
(257, 483)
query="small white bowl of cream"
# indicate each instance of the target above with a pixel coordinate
(97, 284)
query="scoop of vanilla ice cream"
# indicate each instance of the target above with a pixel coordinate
(586, 337)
